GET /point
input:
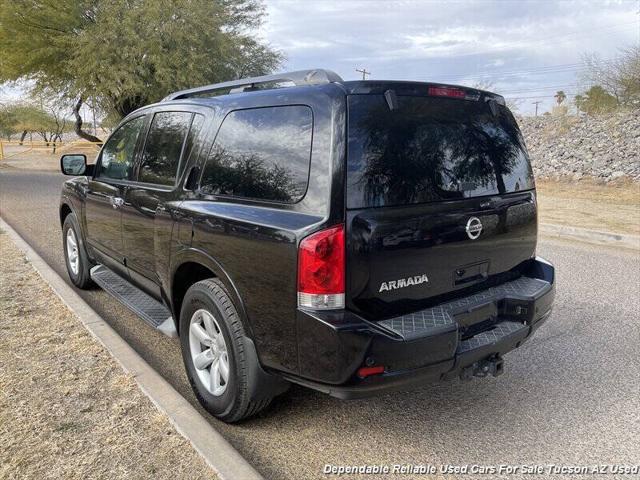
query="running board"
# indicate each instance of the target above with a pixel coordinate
(147, 308)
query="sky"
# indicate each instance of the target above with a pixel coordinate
(520, 49)
(523, 49)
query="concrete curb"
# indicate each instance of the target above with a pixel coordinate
(592, 236)
(223, 459)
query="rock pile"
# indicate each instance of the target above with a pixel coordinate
(605, 148)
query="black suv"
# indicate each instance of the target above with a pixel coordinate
(353, 237)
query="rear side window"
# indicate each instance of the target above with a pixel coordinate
(163, 147)
(192, 144)
(261, 153)
(430, 149)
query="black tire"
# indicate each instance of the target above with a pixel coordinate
(81, 278)
(234, 404)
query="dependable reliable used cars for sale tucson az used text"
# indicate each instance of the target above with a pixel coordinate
(354, 237)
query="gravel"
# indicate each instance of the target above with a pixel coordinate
(601, 147)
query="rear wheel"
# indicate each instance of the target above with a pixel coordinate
(214, 352)
(75, 254)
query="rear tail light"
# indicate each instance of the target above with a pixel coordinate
(321, 270)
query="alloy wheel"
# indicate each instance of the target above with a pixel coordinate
(209, 352)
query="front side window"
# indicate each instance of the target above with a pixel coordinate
(163, 147)
(117, 154)
(261, 153)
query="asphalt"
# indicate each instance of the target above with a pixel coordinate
(570, 396)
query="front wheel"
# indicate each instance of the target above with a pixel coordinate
(214, 350)
(75, 254)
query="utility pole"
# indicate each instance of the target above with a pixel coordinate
(536, 104)
(363, 72)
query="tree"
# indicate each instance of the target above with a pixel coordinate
(128, 53)
(45, 120)
(595, 100)
(27, 119)
(514, 104)
(483, 84)
(8, 123)
(619, 77)
(560, 96)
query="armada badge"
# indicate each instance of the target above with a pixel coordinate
(474, 228)
(403, 282)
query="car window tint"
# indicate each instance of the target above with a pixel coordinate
(163, 146)
(431, 149)
(192, 144)
(117, 154)
(261, 153)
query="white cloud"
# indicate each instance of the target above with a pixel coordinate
(457, 42)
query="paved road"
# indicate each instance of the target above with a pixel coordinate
(569, 396)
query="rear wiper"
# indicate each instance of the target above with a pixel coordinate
(493, 106)
(392, 99)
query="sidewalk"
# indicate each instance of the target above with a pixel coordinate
(67, 409)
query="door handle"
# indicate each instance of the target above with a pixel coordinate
(117, 202)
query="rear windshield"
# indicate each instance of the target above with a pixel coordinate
(429, 149)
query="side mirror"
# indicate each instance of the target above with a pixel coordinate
(73, 164)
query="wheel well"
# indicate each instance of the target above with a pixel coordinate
(64, 211)
(186, 275)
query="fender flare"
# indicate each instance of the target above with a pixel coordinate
(195, 255)
(265, 385)
(68, 201)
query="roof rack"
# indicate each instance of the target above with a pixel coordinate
(300, 77)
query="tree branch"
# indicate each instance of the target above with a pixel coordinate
(77, 126)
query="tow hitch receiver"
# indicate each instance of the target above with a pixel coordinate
(493, 365)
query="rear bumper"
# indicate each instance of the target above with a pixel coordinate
(440, 343)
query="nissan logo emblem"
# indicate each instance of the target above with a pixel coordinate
(474, 228)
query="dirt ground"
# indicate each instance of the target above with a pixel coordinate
(586, 204)
(42, 158)
(67, 410)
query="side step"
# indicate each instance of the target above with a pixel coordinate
(143, 305)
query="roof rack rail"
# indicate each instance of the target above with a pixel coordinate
(315, 76)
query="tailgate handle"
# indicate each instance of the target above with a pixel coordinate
(470, 273)
(473, 278)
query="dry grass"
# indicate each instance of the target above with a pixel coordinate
(67, 410)
(42, 158)
(586, 204)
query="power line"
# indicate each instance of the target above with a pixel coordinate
(487, 75)
(537, 96)
(545, 87)
(551, 39)
(544, 69)
(529, 69)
